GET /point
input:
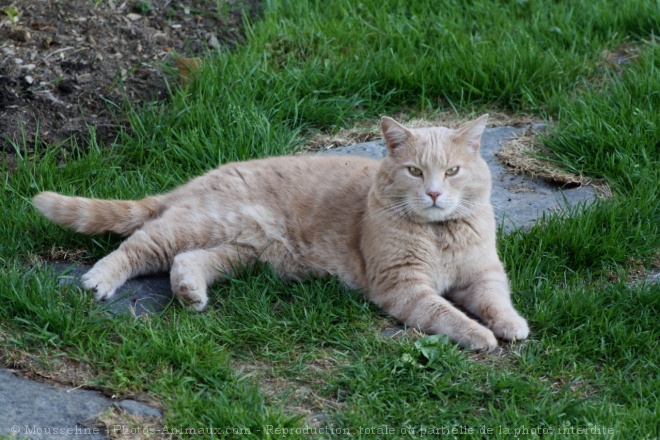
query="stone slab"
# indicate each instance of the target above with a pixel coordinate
(145, 294)
(374, 149)
(37, 410)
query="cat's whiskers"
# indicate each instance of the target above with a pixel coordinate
(479, 204)
(388, 211)
(473, 204)
(469, 209)
(393, 213)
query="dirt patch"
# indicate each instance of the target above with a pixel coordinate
(67, 65)
(301, 397)
(636, 272)
(119, 425)
(616, 61)
(62, 371)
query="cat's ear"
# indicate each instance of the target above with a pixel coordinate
(470, 133)
(394, 133)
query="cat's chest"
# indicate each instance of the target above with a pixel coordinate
(454, 257)
(444, 268)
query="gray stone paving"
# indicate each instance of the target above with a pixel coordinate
(37, 410)
(145, 294)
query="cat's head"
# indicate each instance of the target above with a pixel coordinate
(434, 174)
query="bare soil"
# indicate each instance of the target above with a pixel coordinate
(67, 65)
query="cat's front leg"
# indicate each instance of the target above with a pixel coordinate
(489, 298)
(140, 254)
(106, 276)
(421, 307)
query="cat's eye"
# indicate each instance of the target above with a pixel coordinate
(415, 171)
(452, 171)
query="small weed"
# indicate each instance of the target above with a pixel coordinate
(143, 7)
(12, 14)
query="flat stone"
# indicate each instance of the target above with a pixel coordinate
(145, 294)
(374, 149)
(391, 332)
(519, 201)
(140, 409)
(539, 126)
(35, 410)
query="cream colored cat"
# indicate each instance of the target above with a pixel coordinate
(413, 231)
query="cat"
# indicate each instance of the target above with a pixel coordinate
(415, 231)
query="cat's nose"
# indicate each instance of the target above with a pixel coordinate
(434, 195)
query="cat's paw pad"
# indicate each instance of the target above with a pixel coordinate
(480, 339)
(511, 328)
(191, 293)
(97, 282)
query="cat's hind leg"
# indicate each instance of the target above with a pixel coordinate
(193, 271)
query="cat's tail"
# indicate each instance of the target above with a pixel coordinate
(94, 216)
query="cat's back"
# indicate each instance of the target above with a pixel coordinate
(303, 196)
(315, 173)
(288, 180)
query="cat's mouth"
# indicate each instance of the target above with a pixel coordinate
(434, 206)
(437, 212)
(434, 212)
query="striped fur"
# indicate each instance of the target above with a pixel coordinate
(94, 216)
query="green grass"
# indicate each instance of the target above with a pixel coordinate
(266, 353)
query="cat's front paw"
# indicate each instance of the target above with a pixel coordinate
(510, 328)
(98, 282)
(479, 338)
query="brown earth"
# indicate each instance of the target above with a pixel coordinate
(66, 65)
